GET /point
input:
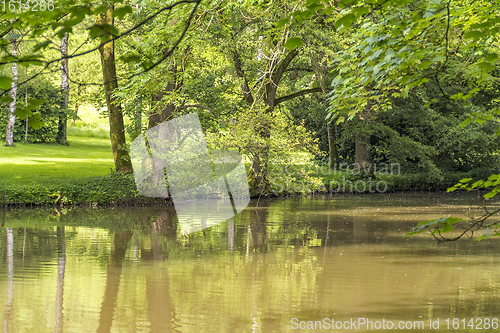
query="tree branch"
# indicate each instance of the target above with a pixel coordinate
(205, 108)
(278, 74)
(170, 7)
(297, 94)
(247, 93)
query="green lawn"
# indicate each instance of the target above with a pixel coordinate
(36, 163)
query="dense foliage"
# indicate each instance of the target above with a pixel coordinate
(47, 112)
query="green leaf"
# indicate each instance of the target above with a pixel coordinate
(5, 82)
(406, 91)
(30, 60)
(482, 25)
(23, 113)
(95, 31)
(35, 122)
(485, 66)
(490, 195)
(447, 227)
(34, 103)
(477, 184)
(345, 21)
(146, 65)
(425, 64)
(293, 43)
(360, 11)
(6, 99)
(493, 177)
(375, 54)
(474, 34)
(63, 31)
(327, 11)
(336, 81)
(281, 23)
(439, 225)
(132, 58)
(389, 54)
(121, 12)
(466, 122)
(344, 69)
(99, 9)
(491, 57)
(40, 46)
(98, 30)
(311, 2)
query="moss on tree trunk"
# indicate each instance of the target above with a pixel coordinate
(116, 127)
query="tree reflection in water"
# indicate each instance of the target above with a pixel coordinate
(61, 269)
(120, 244)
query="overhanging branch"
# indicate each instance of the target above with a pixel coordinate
(205, 108)
(297, 94)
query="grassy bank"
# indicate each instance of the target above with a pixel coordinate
(46, 174)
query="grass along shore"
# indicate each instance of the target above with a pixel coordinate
(47, 174)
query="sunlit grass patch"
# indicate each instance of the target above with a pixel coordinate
(38, 163)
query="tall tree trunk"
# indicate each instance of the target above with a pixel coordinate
(63, 118)
(9, 137)
(116, 126)
(362, 153)
(332, 139)
(26, 104)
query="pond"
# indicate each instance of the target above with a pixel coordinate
(312, 264)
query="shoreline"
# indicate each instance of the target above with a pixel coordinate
(120, 190)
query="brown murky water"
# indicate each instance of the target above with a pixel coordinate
(289, 265)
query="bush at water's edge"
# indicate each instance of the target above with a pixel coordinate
(117, 189)
(113, 189)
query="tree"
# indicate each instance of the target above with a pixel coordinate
(400, 45)
(262, 72)
(62, 19)
(116, 126)
(9, 137)
(63, 118)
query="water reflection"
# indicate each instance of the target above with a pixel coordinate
(113, 276)
(122, 269)
(61, 268)
(10, 277)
